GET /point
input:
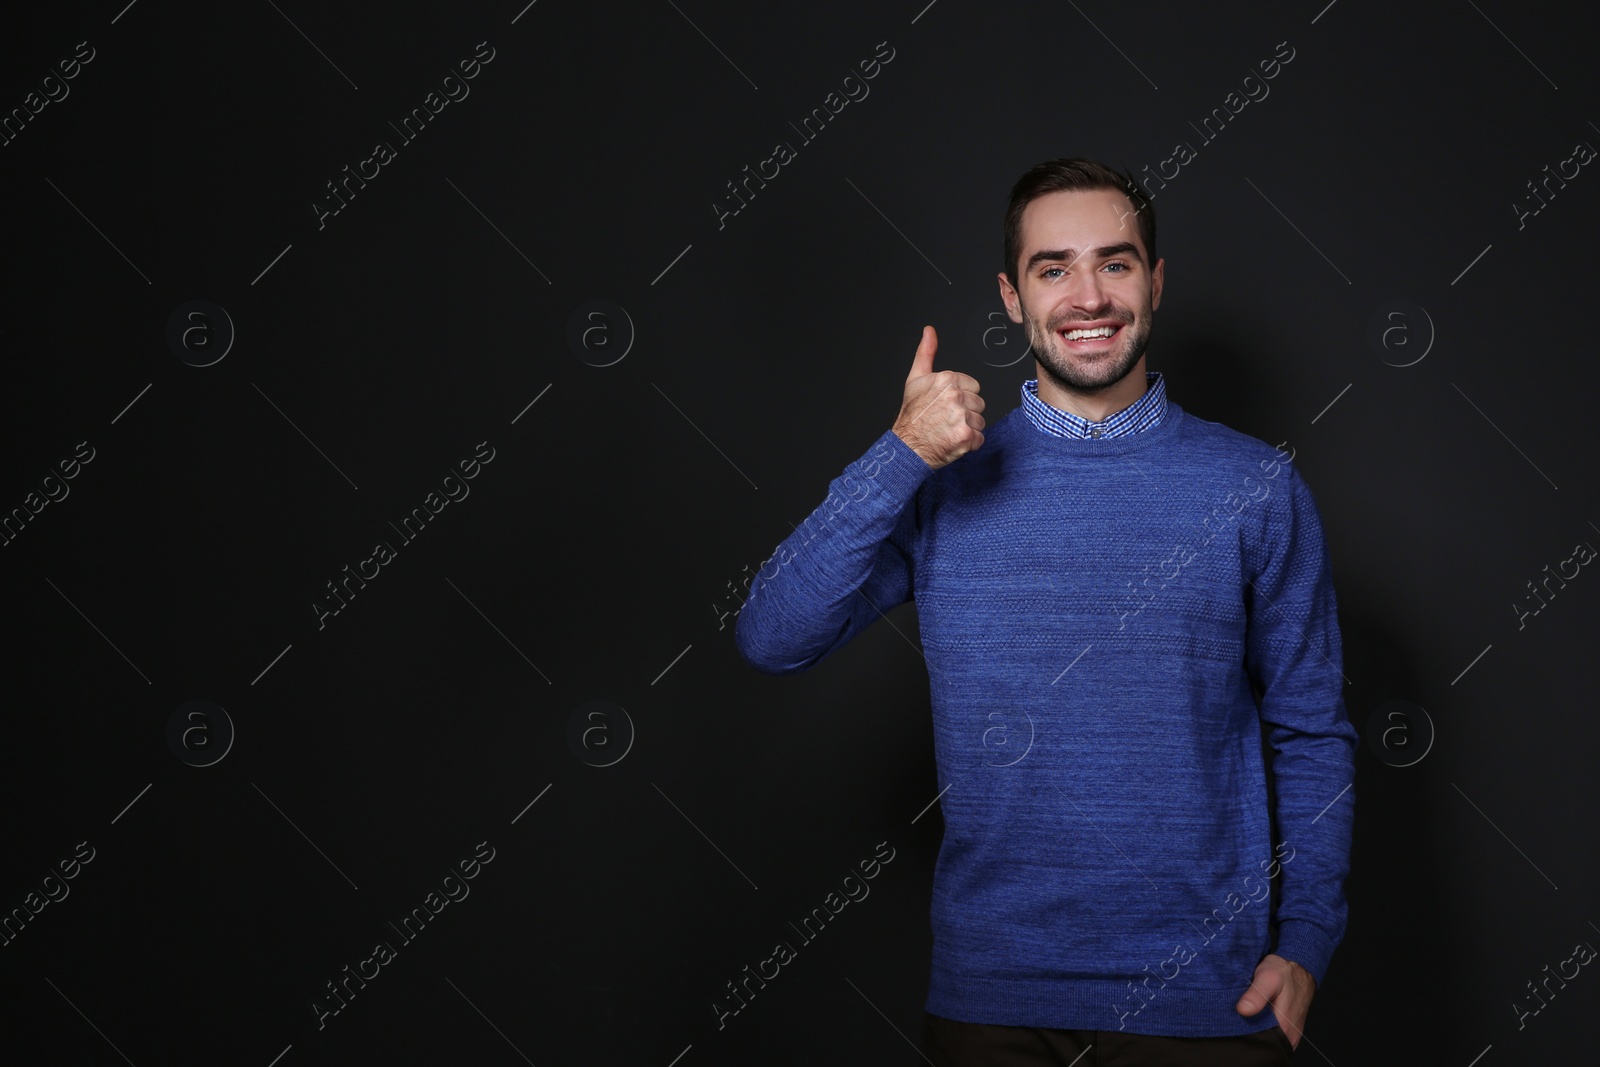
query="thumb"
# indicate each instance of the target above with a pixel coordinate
(922, 364)
(1265, 984)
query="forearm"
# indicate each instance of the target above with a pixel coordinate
(821, 585)
(1314, 817)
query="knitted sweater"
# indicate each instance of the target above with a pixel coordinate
(1107, 624)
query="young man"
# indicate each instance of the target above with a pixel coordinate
(1114, 595)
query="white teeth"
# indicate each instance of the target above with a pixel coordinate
(1084, 335)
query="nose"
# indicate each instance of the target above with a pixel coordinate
(1085, 291)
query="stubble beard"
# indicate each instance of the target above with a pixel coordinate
(1089, 374)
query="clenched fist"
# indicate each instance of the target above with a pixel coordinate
(939, 417)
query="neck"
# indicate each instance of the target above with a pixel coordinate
(1100, 404)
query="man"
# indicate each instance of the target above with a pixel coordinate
(1113, 595)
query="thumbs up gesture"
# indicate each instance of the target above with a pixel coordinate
(939, 417)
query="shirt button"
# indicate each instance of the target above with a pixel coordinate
(1095, 432)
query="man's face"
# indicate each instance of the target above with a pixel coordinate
(1083, 267)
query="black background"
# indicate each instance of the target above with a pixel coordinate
(600, 555)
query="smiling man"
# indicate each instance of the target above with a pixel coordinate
(1116, 599)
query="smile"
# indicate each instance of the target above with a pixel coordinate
(1090, 336)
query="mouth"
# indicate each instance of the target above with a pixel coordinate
(1089, 336)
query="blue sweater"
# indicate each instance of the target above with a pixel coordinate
(1094, 614)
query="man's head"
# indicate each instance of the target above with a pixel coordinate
(1080, 253)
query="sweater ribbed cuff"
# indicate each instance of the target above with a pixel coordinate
(1307, 944)
(913, 471)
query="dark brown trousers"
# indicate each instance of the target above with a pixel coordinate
(948, 1043)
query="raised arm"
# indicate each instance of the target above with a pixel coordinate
(851, 560)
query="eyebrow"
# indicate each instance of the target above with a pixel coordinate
(1068, 255)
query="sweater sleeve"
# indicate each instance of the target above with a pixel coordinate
(1295, 657)
(847, 563)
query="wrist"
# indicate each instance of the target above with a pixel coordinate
(1306, 945)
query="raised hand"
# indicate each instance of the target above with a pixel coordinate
(939, 417)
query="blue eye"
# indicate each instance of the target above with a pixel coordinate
(1049, 271)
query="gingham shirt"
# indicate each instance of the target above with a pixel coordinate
(1142, 414)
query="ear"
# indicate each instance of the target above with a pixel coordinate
(1009, 296)
(1155, 284)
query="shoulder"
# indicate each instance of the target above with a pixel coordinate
(1212, 442)
(986, 464)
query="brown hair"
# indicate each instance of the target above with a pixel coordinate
(1074, 174)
